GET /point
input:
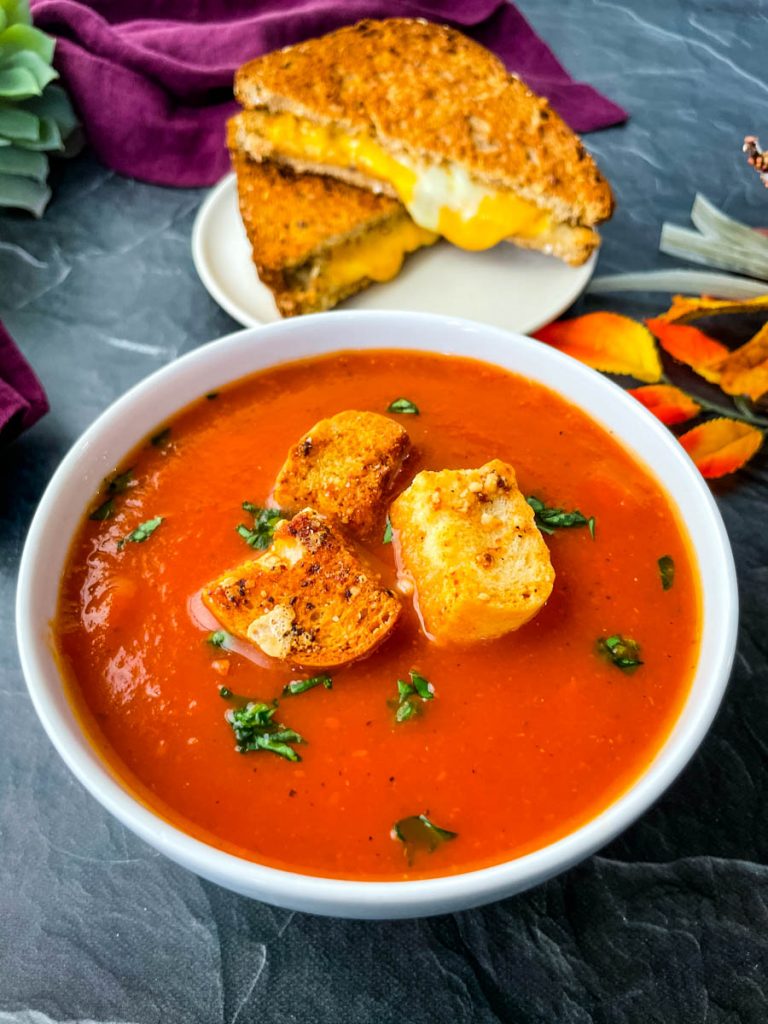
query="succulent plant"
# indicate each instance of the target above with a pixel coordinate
(35, 116)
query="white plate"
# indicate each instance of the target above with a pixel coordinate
(504, 286)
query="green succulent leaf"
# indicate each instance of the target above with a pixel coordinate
(20, 37)
(49, 137)
(19, 125)
(24, 163)
(14, 12)
(24, 194)
(35, 116)
(18, 83)
(54, 104)
(37, 72)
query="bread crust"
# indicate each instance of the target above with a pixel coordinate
(467, 541)
(308, 600)
(345, 467)
(572, 243)
(427, 90)
(293, 222)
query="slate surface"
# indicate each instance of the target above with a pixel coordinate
(668, 925)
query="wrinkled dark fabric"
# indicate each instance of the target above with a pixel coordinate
(153, 82)
(22, 399)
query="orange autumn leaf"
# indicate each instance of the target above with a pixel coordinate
(691, 346)
(685, 309)
(667, 403)
(745, 371)
(607, 342)
(721, 446)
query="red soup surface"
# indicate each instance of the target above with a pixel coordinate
(527, 737)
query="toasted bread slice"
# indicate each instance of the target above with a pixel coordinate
(308, 600)
(345, 467)
(315, 240)
(467, 540)
(420, 111)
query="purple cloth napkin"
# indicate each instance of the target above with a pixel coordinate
(22, 399)
(152, 81)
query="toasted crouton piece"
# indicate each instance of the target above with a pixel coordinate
(345, 467)
(467, 540)
(308, 599)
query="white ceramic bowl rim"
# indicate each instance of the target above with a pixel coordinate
(133, 416)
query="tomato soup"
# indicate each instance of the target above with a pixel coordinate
(526, 737)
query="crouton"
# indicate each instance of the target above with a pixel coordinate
(468, 542)
(307, 600)
(345, 467)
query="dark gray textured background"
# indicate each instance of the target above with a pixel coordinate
(667, 925)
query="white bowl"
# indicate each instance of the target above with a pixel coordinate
(130, 419)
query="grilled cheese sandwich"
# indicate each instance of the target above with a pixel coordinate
(443, 199)
(374, 257)
(418, 112)
(316, 241)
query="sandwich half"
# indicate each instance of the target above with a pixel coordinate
(315, 240)
(418, 111)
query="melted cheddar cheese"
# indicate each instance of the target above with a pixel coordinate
(443, 199)
(378, 256)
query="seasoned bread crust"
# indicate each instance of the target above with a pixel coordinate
(291, 217)
(345, 467)
(247, 139)
(428, 90)
(294, 220)
(308, 600)
(573, 244)
(467, 540)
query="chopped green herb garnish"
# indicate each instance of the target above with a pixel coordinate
(406, 711)
(666, 571)
(387, 538)
(211, 395)
(161, 439)
(255, 730)
(217, 639)
(117, 484)
(106, 510)
(264, 522)
(410, 695)
(422, 686)
(550, 519)
(225, 692)
(141, 533)
(297, 686)
(419, 833)
(120, 482)
(404, 406)
(623, 652)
